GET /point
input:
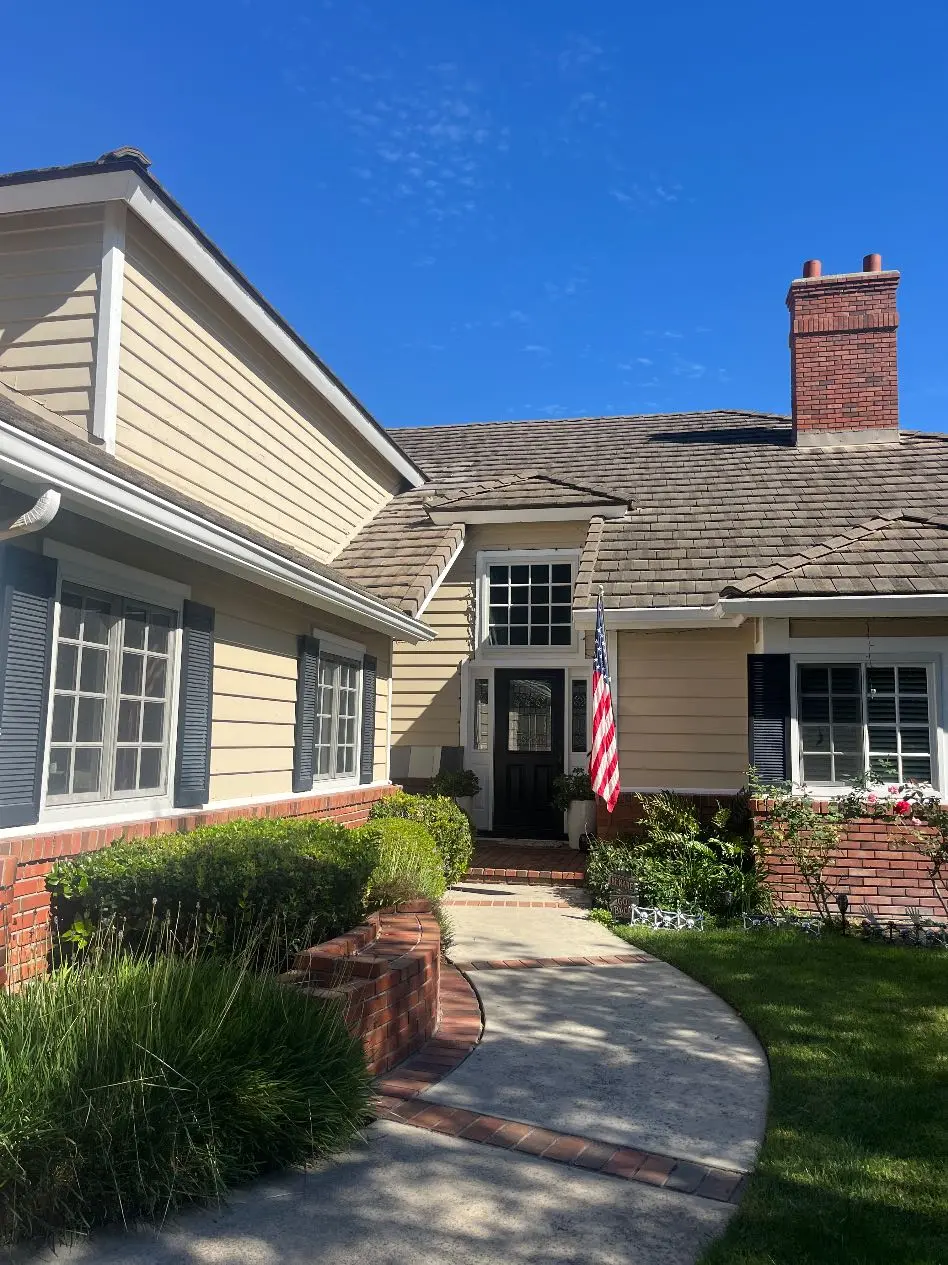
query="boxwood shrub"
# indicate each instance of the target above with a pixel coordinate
(449, 827)
(408, 864)
(129, 1087)
(290, 881)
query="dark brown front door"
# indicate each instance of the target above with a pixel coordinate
(528, 751)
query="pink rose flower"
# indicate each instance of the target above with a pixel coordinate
(871, 799)
(903, 807)
(893, 790)
(916, 821)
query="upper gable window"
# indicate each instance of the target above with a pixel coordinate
(530, 604)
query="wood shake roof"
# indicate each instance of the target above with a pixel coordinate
(720, 502)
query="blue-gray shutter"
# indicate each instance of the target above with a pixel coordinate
(768, 716)
(304, 740)
(27, 604)
(192, 785)
(370, 672)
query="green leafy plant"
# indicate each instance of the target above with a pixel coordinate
(680, 862)
(449, 827)
(129, 1087)
(571, 786)
(799, 829)
(304, 880)
(455, 783)
(408, 864)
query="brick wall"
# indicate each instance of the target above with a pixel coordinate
(25, 861)
(387, 975)
(627, 814)
(872, 867)
(872, 864)
(844, 375)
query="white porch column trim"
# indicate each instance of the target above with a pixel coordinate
(111, 284)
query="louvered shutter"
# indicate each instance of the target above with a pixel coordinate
(304, 742)
(369, 687)
(193, 757)
(27, 603)
(768, 712)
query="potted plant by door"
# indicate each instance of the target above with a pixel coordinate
(574, 795)
(461, 785)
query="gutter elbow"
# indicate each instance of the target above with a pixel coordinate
(35, 519)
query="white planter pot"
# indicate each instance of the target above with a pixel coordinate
(580, 820)
(466, 805)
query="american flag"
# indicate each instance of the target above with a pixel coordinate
(604, 757)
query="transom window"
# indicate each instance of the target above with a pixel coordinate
(530, 604)
(111, 697)
(856, 717)
(337, 699)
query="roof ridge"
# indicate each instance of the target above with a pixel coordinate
(842, 540)
(595, 417)
(588, 558)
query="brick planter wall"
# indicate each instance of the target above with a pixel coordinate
(27, 859)
(387, 975)
(872, 866)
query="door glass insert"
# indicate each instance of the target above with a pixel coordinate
(481, 714)
(578, 716)
(530, 716)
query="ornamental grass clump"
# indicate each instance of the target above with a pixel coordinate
(132, 1086)
(408, 864)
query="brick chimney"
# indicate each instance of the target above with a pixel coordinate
(843, 376)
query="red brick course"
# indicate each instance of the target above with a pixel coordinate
(26, 860)
(872, 866)
(386, 973)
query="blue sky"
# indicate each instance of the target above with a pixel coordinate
(519, 208)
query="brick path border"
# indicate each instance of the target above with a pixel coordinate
(682, 1176)
(508, 903)
(523, 964)
(488, 874)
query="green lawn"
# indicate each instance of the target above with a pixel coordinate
(854, 1167)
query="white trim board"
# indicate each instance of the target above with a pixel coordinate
(129, 187)
(441, 578)
(555, 514)
(842, 607)
(105, 497)
(109, 326)
(658, 617)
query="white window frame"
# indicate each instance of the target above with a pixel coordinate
(890, 657)
(519, 656)
(91, 571)
(353, 652)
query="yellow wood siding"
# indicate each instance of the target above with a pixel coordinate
(255, 648)
(426, 710)
(206, 405)
(426, 678)
(681, 709)
(49, 278)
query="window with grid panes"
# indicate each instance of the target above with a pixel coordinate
(337, 701)
(111, 698)
(530, 604)
(858, 716)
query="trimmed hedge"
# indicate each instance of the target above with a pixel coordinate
(130, 1087)
(289, 881)
(449, 827)
(408, 865)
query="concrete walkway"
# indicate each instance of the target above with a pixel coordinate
(632, 1055)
